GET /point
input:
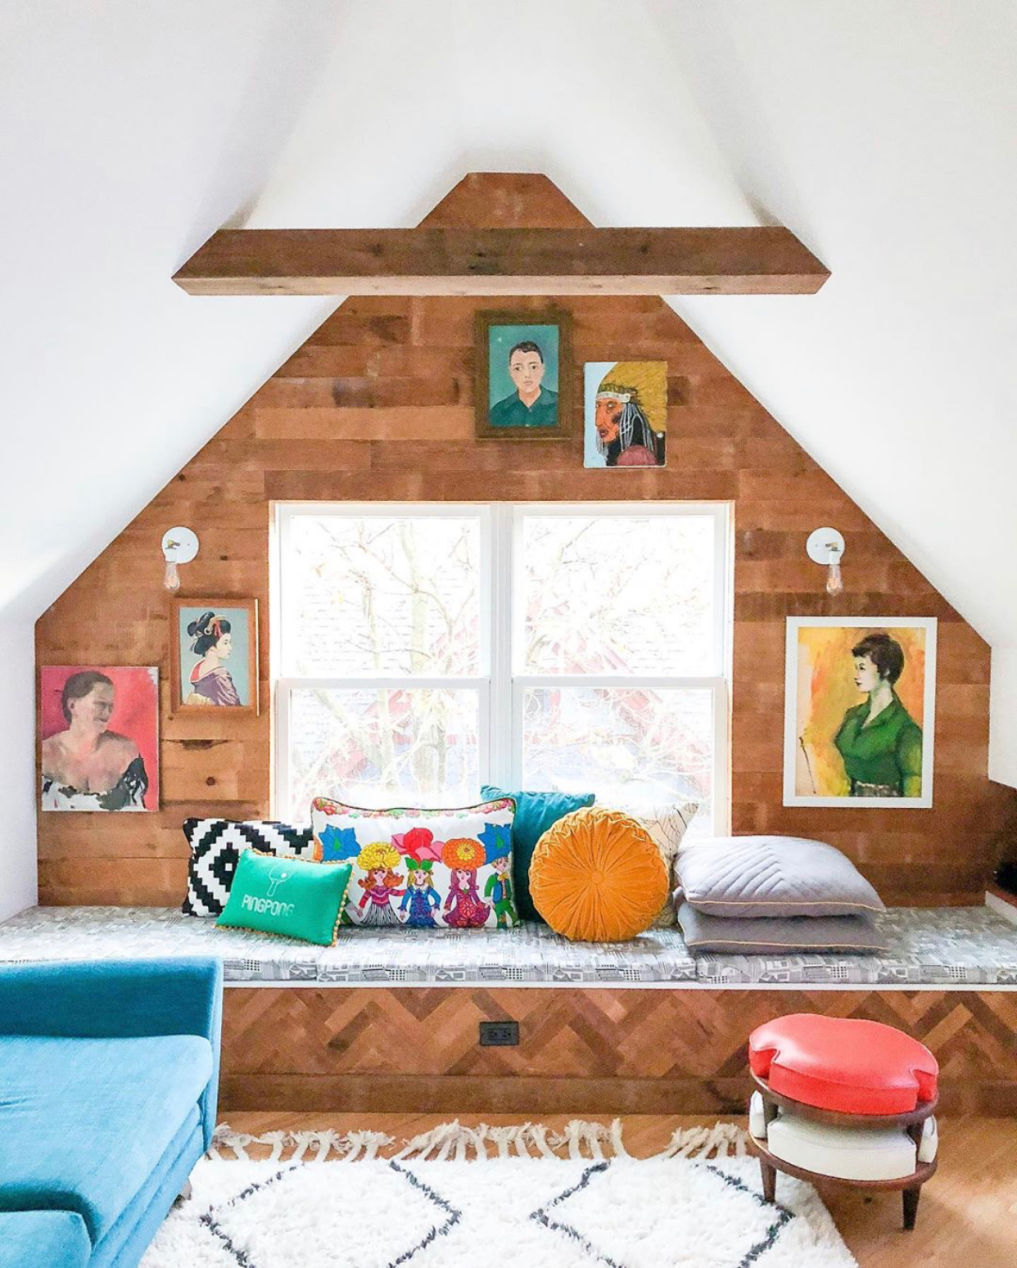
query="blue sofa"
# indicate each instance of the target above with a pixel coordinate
(109, 1074)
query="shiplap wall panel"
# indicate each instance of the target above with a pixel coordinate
(378, 404)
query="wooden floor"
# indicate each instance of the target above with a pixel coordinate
(967, 1217)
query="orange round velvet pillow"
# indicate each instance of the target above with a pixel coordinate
(597, 876)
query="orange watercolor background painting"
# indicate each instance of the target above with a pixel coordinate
(826, 690)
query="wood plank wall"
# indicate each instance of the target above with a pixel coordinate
(378, 404)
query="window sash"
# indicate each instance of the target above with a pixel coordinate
(719, 512)
(283, 722)
(283, 611)
(500, 690)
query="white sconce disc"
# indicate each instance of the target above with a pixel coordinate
(179, 545)
(825, 546)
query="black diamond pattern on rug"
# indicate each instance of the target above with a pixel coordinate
(574, 1214)
(256, 1228)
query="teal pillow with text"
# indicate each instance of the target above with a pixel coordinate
(288, 897)
(535, 813)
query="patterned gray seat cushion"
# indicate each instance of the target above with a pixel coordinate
(951, 945)
(361, 957)
(752, 876)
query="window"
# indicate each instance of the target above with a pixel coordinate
(421, 650)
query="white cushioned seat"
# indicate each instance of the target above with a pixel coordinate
(848, 1153)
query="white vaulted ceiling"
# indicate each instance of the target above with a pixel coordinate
(882, 134)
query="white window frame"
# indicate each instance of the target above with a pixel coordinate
(500, 685)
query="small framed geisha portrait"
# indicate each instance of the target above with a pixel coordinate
(214, 657)
(524, 368)
(859, 711)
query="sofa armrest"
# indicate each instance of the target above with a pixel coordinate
(124, 999)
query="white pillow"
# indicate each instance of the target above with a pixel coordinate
(667, 823)
(420, 868)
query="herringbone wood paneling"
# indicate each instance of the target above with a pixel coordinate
(378, 403)
(641, 1050)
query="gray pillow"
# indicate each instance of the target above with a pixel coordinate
(746, 877)
(774, 935)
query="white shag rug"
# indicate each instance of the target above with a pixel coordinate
(478, 1197)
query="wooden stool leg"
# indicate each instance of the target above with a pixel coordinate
(911, 1197)
(769, 1175)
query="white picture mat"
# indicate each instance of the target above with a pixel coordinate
(795, 623)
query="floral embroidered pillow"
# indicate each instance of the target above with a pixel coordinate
(422, 869)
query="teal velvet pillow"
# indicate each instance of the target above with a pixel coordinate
(535, 813)
(290, 897)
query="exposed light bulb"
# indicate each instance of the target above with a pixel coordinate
(825, 546)
(834, 581)
(171, 578)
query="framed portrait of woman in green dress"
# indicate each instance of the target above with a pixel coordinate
(859, 711)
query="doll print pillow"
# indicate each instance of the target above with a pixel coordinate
(422, 869)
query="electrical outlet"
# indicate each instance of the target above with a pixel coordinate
(499, 1034)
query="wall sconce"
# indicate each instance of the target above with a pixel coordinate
(826, 546)
(179, 546)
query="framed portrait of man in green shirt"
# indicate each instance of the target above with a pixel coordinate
(859, 711)
(523, 375)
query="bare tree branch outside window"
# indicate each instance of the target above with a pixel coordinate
(622, 597)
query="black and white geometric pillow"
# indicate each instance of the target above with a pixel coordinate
(216, 844)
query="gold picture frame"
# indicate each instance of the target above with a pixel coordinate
(221, 674)
(518, 350)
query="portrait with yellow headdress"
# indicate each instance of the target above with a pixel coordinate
(625, 411)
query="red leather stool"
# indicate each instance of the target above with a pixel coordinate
(845, 1074)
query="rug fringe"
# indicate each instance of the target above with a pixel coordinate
(364, 1145)
(721, 1140)
(538, 1136)
(306, 1146)
(580, 1139)
(505, 1139)
(585, 1140)
(447, 1140)
(224, 1137)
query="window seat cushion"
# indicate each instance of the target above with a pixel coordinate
(927, 947)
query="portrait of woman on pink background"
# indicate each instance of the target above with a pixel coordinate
(100, 738)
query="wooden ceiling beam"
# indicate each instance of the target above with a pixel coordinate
(766, 260)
